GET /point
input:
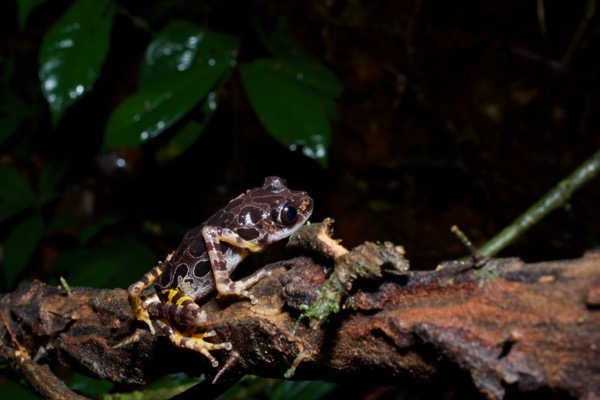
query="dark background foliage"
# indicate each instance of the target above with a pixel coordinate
(446, 113)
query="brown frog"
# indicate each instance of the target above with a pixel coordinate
(209, 253)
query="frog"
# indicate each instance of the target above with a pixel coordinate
(207, 256)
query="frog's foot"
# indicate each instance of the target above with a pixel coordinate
(193, 340)
(225, 286)
(139, 305)
(142, 315)
(140, 309)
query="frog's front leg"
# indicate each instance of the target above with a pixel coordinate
(213, 235)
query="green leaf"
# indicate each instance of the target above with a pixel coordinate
(73, 52)
(117, 264)
(16, 194)
(278, 389)
(280, 42)
(19, 246)
(91, 230)
(90, 386)
(308, 73)
(188, 135)
(181, 66)
(302, 390)
(25, 7)
(50, 176)
(63, 222)
(293, 98)
(13, 390)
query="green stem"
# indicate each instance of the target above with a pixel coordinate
(551, 201)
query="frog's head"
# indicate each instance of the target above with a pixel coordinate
(272, 212)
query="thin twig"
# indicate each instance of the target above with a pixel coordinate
(554, 199)
(590, 11)
(479, 260)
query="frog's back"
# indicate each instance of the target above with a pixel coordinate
(189, 267)
(190, 261)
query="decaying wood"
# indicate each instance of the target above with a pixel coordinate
(511, 327)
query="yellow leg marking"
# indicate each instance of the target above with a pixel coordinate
(171, 293)
(234, 241)
(228, 236)
(137, 288)
(184, 299)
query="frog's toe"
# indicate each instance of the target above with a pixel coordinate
(194, 341)
(142, 315)
(191, 315)
(210, 333)
(199, 316)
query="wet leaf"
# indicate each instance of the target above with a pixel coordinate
(182, 65)
(19, 246)
(293, 98)
(187, 135)
(73, 52)
(16, 194)
(25, 7)
(308, 73)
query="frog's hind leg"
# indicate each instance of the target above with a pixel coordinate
(177, 308)
(193, 340)
(138, 305)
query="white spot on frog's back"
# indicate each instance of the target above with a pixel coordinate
(247, 219)
(251, 216)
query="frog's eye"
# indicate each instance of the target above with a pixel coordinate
(288, 214)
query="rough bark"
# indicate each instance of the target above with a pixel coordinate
(512, 327)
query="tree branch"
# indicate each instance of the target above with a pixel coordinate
(512, 327)
(552, 200)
